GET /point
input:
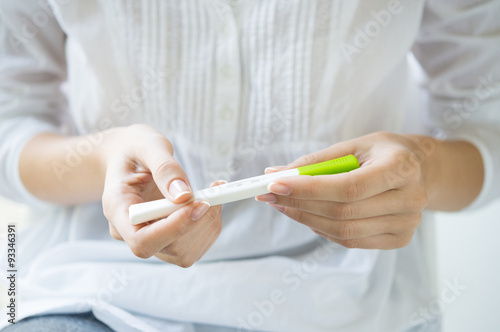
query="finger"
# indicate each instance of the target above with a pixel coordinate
(337, 150)
(194, 254)
(210, 223)
(146, 240)
(166, 231)
(218, 183)
(167, 173)
(115, 205)
(394, 201)
(381, 241)
(114, 233)
(353, 186)
(274, 169)
(353, 229)
(208, 245)
(188, 243)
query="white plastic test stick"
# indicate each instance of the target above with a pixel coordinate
(237, 190)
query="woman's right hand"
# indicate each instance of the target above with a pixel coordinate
(140, 167)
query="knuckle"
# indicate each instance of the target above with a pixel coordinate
(116, 236)
(168, 144)
(383, 135)
(106, 205)
(307, 193)
(392, 163)
(415, 161)
(409, 222)
(114, 233)
(415, 220)
(291, 203)
(176, 249)
(139, 250)
(353, 191)
(347, 230)
(343, 211)
(165, 166)
(185, 262)
(424, 200)
(403, 240)
(299, 216)
(307, 159)
(350, 244)
(397, 180)
(401, 154)
(417, 202)
(107, 213)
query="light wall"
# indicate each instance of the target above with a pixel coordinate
(468, 254)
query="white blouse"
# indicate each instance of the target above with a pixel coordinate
(238, 86)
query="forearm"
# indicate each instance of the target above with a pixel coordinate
(453, 174)
(64, 170)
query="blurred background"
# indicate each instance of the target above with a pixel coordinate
(466, 255)
(467, 249)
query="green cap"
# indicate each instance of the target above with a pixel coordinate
(334, 166)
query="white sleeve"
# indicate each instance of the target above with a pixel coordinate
(459, 49)
(32, 69)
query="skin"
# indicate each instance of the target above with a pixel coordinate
(129, 165)
(378, 206)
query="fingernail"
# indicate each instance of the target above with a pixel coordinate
(199, 210)
(178, 188)
(278, 188)
(218, 183)
(268, 198)
(272, 169)
(277, 207)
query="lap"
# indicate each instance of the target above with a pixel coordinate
(59, 322)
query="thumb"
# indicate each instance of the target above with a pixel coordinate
(335, 151)
(168, 175)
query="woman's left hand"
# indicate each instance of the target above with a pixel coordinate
(377, 206)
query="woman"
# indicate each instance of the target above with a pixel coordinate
(97, 95)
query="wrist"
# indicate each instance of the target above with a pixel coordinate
(105, 151)
(452, 172)
(427, 151)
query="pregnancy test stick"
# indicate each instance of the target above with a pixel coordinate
(238, 190)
